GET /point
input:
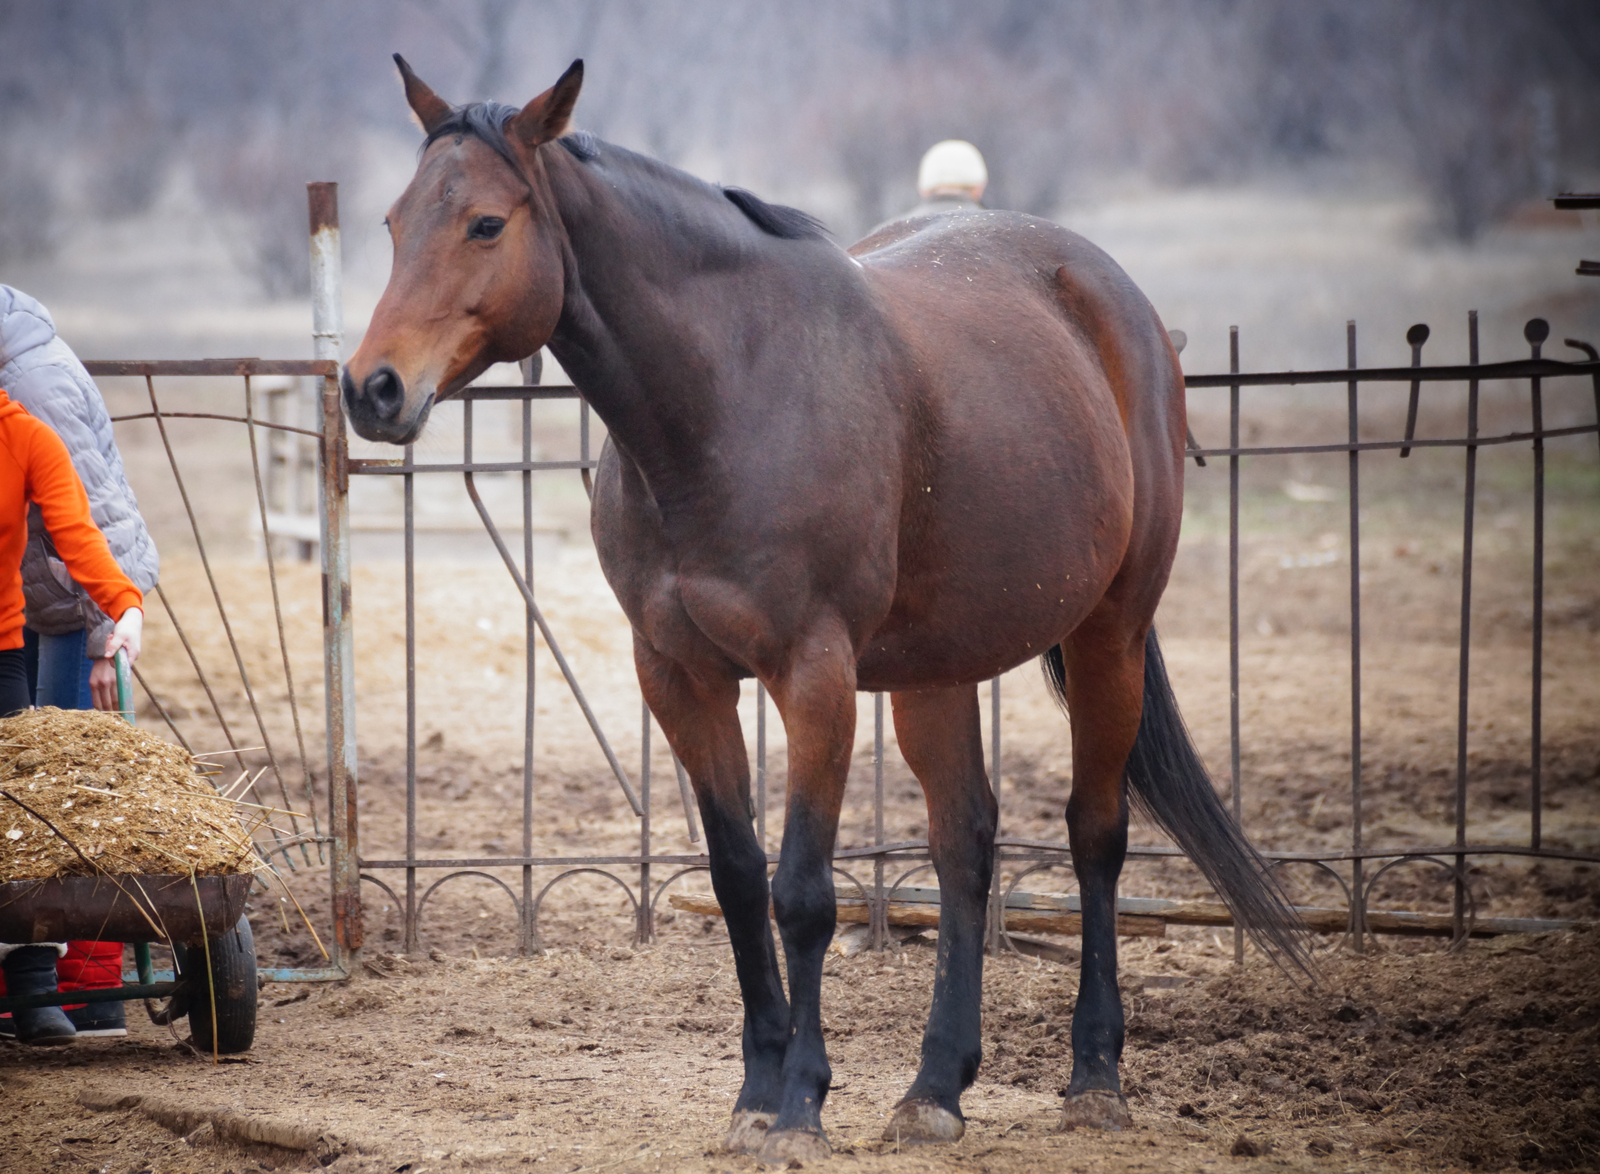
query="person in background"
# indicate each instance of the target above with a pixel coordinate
(66, 630)
(951, 178)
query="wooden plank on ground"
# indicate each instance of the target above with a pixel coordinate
(1149, 916)
(924, 913)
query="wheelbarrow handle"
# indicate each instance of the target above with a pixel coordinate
(124, 687)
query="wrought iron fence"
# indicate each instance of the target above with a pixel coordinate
(894, 864)
(333, 839)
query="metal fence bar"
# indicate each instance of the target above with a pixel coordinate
(1536, 332)
(1234, 757)
(646, 931)
(761, 765)
(878, 930)
(150, 368)
(1461, 373)
(584, 463)
(1458, 903)
(1386, 445)
(1021, 846)
(686, 797)
(161, 709)
(995, 896)
(392, 468)
(530, 651)
(1357, 925)
(409, 488)
(245, 419)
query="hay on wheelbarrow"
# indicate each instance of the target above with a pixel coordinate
(86, 793)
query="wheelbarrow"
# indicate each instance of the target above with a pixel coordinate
(201, 918)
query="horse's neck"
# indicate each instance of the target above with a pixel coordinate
(644, 325)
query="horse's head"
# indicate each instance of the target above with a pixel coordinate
(477, 276)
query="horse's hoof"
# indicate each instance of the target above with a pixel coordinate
(793, 1145)
(1096, 1109)
(748, 1132)
(920, 1122)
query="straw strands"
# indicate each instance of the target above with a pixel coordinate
(83, 792)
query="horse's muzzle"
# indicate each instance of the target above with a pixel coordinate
(377, 409)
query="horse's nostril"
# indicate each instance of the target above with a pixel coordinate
(384, 389)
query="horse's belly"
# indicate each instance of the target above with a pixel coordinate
(988, 614)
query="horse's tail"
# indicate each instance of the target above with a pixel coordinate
(1170, 784)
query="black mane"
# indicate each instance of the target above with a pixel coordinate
(778, 220)
(487, 121)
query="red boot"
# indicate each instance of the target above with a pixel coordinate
(93, 966)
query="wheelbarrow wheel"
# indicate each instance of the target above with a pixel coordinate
(233, 979)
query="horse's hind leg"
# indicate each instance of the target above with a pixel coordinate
(702, 725)
(1104, 661)
(941, 737)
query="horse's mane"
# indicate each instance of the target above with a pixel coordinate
(487, 121)
(778, 220)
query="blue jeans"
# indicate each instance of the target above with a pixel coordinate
(64, 671)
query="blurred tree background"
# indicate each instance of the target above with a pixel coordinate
(827, 104)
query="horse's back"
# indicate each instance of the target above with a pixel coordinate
(937, 266)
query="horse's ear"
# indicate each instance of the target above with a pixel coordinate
(546, 117)
(429, 108)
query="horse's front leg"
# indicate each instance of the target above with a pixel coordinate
(816, 696)
(941, 737)
(701, 722)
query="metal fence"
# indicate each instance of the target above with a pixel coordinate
(333, 840)
(644, 875)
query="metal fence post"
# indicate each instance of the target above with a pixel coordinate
(1358, 921)
(1469, 507)
(878, 927)
(1234, 757)
(337, 634)
(996, 928)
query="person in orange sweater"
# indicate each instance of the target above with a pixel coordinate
(36, 468)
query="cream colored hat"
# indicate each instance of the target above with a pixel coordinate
(954, 164)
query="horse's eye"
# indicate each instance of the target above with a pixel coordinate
(485, 228)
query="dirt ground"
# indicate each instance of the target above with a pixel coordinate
(602, 1057)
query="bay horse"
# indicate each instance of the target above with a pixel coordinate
(908, 466)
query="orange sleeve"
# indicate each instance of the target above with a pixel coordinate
(53, 483)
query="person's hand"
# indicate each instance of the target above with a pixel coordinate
(126, 635)
(103, 684)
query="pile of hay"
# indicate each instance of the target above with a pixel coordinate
(128, 801)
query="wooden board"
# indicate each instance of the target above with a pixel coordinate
(923, 913)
